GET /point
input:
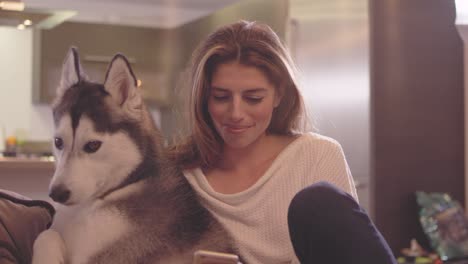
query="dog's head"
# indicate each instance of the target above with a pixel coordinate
(102, 133)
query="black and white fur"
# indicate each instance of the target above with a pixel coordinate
(121, 200)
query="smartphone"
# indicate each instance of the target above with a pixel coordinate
(211, 257)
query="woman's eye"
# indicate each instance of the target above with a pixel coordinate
(220, 98)
(254, 100)
(92, 146)
(58, 142)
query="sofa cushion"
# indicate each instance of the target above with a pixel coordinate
(21, 221)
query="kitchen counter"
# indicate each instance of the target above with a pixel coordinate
(26, 163)
(26, 176)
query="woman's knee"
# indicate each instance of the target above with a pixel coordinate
(323, 211)
(320, 195)
(322, 203)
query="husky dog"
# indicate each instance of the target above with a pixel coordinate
(120, 200)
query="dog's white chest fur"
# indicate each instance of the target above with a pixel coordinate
(87, 230)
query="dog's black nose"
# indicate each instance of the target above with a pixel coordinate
(60, 194)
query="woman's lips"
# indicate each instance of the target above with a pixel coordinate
(236, 129)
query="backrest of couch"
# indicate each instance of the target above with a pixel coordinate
(21, 221)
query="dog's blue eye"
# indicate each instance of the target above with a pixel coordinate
(92, 146)
(58, 143)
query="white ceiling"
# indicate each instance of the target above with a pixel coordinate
(144, 13)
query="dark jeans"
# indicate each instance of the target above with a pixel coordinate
(327, 226)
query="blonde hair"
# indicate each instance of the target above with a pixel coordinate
(250, 44)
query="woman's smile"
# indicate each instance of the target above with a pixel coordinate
(236, 129)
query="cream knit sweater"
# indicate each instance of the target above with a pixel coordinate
(257, 217)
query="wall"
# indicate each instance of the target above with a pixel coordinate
(417, 111)
(462, 27)
(16, 110)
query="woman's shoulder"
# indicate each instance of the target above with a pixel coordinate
(310, 145)
(317, 141)
(317, 147)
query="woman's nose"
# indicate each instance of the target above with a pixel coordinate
(236, 112)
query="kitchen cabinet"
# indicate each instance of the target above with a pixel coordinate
(146, 49)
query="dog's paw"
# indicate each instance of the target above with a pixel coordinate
(49, 247)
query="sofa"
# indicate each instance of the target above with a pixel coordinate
(21, 221)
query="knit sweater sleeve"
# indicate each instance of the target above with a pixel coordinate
(333, 167)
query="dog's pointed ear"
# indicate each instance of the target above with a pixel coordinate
(121, 83)
(71, 71)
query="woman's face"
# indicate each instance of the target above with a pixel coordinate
(241, 103)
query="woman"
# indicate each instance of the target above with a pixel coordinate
(253, 167)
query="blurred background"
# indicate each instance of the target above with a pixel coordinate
(383, 77)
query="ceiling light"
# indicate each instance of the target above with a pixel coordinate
(21, 27)
(12, 5)
(27, 22)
